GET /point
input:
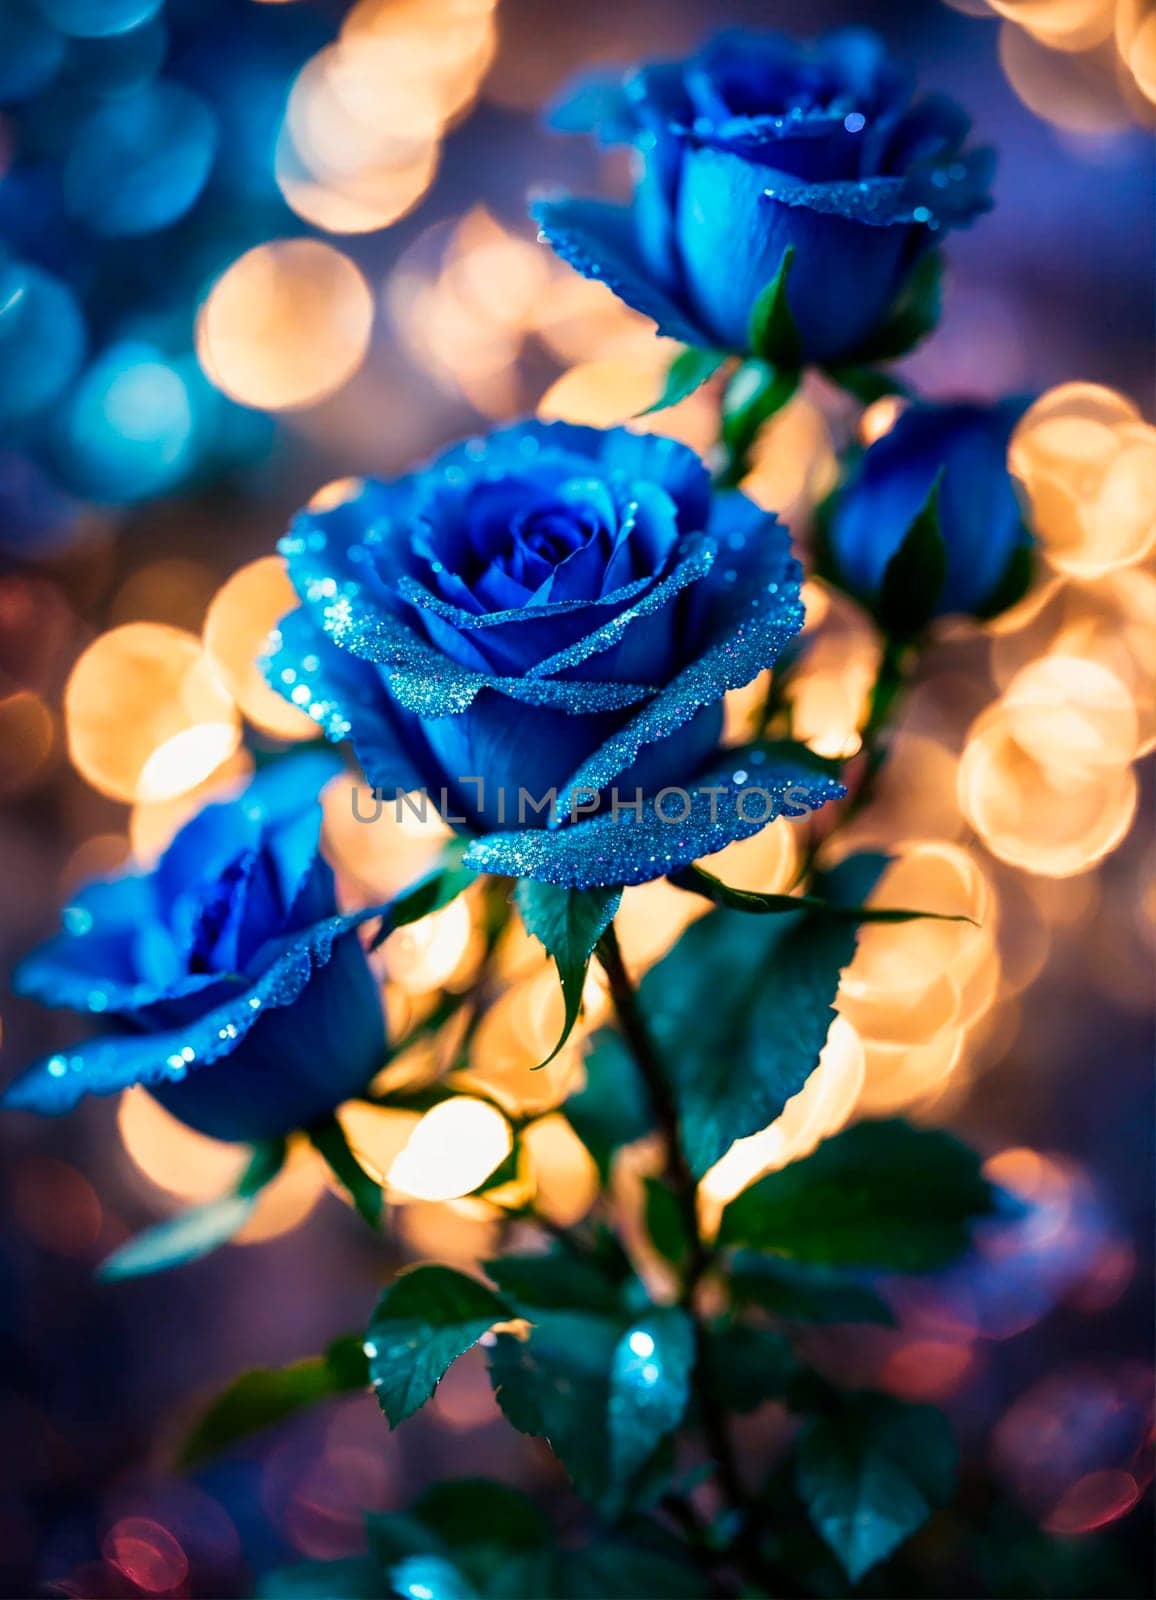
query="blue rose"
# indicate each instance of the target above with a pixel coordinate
(226, 976)
(986, 547)
(757, 146)
(537, 630)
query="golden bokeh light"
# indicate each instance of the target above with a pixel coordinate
(1087, 463)
(155, 823)
(562, 1170)
(377, 1134)
(286, 325)
(619, 390)
(793, 463)
(243, 613)
(1034, 816)
(1072, 715)
(361, 139)
(286, 1202)
(426, 954)
(186, 1165)
(1070, 25)
(830, 691)
(518, 1032)
(146, 716)
(451, 1152)
(1076, 90)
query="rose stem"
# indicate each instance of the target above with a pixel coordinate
(681, 1179)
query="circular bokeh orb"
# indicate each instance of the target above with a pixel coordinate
(30, 52)
(96, 19)
(41, 339)
(140, 161)
(286, 325)
(129, 427)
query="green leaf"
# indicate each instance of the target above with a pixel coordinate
(912, 317)
(740, 1010)
(1014, 582)
(612, 1108)
(747, 1365)
(264, 1396)
(697, 881)
(186, 1237)
(328, 1139)
(201, 1230)
(772, 333)
(554, 1282)
(752, 398)
(569, 923)
(870, 1472)
(467, 1512)
(800, 1292)
(431, 892)
(612, 1569)
(689, 370)
(426, 1319)
(649, 1388)
(665, 1222)
(914, 577)
(555, 1385)
(880, 1194)
(353, 1578)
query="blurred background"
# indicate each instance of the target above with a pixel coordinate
(248, 250)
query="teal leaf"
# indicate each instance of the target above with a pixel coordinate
(746, 1365)
(353, 1578)
(666, 1222)
(431, 892)
(328, 1139)
(741, 1007)
(611, 1569)
(884, 1195)
(555, 1385)
(201, 1230)
(569, 923)
(913, 316)
(559, 1281)
(186, 1237)
(612, 1108)
(772, 333)
(267, 1395)
(753, 396)
(869, 1471)
(426, 1319)
(914, 577)
(468, 1512)
(798, 1291)
(649, 1388)
(689, 370)
(695, 880)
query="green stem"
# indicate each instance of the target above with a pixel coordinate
(681, 1178)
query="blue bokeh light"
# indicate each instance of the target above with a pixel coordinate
(41, 339)
(130, 424)
(30, 52)
(139, 162)
(96, 19)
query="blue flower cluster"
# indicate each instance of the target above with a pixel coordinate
(538, 628)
